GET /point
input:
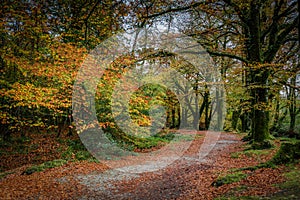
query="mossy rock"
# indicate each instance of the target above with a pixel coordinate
(289, 152)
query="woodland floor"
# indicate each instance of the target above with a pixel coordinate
(186, 178)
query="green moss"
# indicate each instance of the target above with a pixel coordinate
(229, 178)
(251, 153)
(238, 198)
(147, 143)
(289, 152)
(293, 179)
(4, 174)
(76, 151)
(83, 155)
(235, 155)
(266, 144)
(290, 188)
(44, 166)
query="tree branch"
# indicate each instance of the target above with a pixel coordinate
(224, 54)
(194, 5)
(289, 85)
(237, 9)
(273, 48)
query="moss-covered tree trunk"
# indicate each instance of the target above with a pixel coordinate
(258, 75)
(292, 105)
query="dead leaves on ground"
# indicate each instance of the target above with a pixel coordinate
(180, 180)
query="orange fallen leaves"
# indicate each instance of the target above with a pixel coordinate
(180, 180)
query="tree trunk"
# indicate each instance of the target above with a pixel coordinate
(276, 116)
(173, 113)
(207, 113)
(246, 122)
(258, 75)
(234, 119)
(260, 114)
(184, 122)
(292, 105)
(196, 113)
(219, 107)
(179, 116)
(204, 108)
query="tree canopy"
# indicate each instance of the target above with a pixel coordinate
(254, 43)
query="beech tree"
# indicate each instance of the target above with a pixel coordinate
(260, 29)
(43, 45)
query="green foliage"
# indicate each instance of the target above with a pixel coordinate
(76, 145)
(45, 44)
(83, 155)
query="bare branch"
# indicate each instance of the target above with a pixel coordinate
(273, 48)
(194, 5)
(224, 54)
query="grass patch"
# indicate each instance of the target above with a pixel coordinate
(150, 142)
(162, 139)
(290, 189)
(76, 151)
(289, 152)
(4, 174)
(237, 198)
(39, 147)
(187, 137)
(293, 178)
(229, 178)
(135, 143)
(15, 145)
(251, 153)
(45, 165)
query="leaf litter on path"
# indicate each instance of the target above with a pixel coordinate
(186, 178)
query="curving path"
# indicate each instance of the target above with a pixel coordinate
(171, 182)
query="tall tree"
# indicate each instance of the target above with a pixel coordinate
(259, 30)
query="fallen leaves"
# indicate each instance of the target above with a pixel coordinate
(183, 179)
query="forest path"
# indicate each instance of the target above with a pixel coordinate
(171, 182)
(186, 178)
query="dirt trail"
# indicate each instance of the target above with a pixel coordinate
(187, 178)
(168, 183)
